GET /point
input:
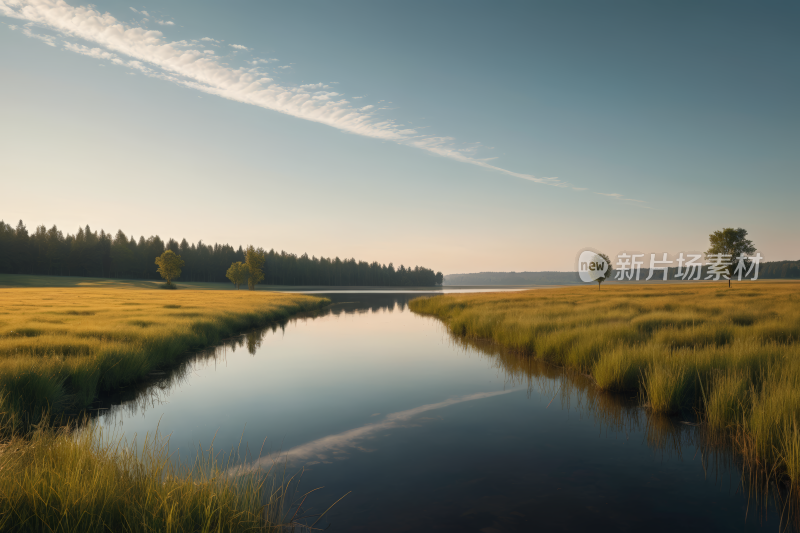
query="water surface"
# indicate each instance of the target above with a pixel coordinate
(429, 433)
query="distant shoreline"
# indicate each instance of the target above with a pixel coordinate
(767, 270)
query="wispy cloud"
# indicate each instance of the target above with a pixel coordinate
(618, 196)
(150, 52)
(165, 22)
(323, 448)
(621, 198)
(47, 39)
(96, 53)
(194, 68)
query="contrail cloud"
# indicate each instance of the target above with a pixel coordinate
(191, 64)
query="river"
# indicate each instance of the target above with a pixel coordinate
(429, 433)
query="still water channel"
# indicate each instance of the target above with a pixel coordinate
(428, 433)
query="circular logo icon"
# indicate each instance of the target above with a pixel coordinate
(591, 266)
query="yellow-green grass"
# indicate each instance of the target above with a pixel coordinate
(60, 347)
(84, 482)
(733, 355)
(30, 281)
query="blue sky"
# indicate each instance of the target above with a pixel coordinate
(464, 136)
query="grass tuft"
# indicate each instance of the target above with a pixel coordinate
(667, 384)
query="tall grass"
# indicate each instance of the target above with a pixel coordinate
(60, 347)
(732, 355)
(64, 481)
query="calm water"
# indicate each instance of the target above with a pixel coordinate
(432, 434)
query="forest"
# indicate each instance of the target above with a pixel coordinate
(100, 254)
(781, 270)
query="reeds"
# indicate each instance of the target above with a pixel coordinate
(733, 355)
(85, 481)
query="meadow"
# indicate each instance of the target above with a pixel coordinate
(62, 346)
(730, 356)
(22, 280)
(85, 481)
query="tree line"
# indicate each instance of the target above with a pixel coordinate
(99, 254)
(780, 270)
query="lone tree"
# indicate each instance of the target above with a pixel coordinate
(607, 273)
(169, 266)
(254, 260)
(237, 273)
(733, 242)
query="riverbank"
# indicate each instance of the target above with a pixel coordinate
(732, 355)
(85, 481)
(60, 347)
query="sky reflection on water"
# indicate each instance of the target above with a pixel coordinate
(431, 433)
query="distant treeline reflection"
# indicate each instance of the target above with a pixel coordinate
(100, 254)
(137, 398)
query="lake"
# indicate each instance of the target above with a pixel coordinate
(431, 433)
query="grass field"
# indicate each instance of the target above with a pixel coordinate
(85, 482)
(59, 347)
(20, 281)
(733, 355)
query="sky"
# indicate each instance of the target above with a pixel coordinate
(461, 136)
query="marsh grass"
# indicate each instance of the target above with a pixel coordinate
(60, 347)
(85, 480)
(731, 355)
(719, 452)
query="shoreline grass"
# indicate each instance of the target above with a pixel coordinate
(59, 348)
(67, 480)
(730, 355)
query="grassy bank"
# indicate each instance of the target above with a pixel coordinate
(60, 347)
(60, 481)
(733, 355)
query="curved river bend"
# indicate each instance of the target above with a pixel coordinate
(429, 433)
